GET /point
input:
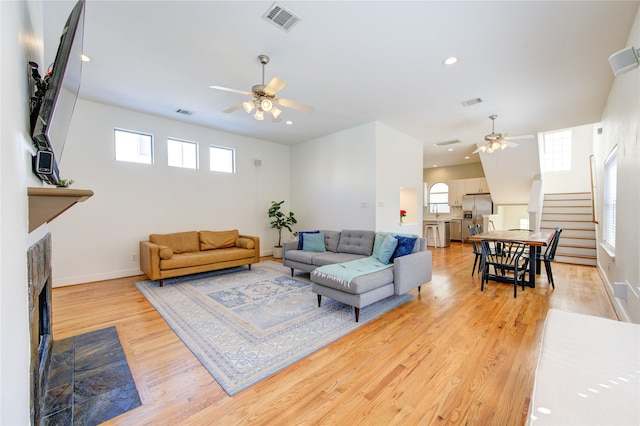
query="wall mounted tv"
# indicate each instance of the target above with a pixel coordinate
(55, 98)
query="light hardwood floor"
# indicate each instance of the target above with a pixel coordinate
(451, 355)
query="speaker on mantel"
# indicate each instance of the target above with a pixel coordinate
(624, 60)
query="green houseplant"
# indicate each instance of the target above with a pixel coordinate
(279, 221)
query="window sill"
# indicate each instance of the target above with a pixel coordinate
(610, 251)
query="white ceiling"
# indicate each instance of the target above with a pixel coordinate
(539, 65)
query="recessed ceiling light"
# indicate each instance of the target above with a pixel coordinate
(450, 149)
(450, 60)
(466, 158)
(435, 165)
(85, 58)
(289, 123)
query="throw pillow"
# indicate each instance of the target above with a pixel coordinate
(165, 252)
(387, 248)
(313, 242)
(380, 236)
(404, 247)
(301, 237)
(245, 243)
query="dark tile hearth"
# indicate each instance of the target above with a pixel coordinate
(89, 380)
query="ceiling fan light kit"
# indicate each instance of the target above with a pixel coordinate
(495, 141)
(264, 97)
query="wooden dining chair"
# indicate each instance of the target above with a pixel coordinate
(509, 264)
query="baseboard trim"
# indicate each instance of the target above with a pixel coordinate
(84, 279)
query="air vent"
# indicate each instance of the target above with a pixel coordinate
(471, 102)
(281, 17)
(453, 142)
(184, 111)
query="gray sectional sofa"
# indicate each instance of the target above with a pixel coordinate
(407, 271)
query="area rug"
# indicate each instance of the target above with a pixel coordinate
(245, 325)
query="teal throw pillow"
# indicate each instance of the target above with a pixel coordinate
(404, 247)
(387, 248)
(380, 236)
(301, 237)
(313, 242)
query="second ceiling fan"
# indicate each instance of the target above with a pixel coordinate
(495, 141)
(264, 97)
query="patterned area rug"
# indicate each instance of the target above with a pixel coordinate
(245, 325)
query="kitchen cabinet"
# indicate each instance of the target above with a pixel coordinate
(476, 186)
(460, 187)
(457, 189)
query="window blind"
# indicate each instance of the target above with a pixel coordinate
(610, 187)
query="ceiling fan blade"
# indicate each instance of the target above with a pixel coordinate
(274, 86)
(233, 108)
(514, 138)
(295, 105)
(476, 151)
(227, 89)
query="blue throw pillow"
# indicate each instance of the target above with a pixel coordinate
(387, 248)
(314, 242)
(380, 236)
(404, 247)
(301, 237)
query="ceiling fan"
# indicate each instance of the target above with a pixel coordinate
(264, 97)
(495, 141)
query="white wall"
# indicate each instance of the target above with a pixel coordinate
(96, 239)
(399, 164)
(333, 180)
(21, 29)
(578, 178)
(621, 127)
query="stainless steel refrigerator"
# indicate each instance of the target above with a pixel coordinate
(474, 208)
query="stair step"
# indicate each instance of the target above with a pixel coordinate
(578, 217)
(572, 232)
(567, 196)
(566, 209)
(574, 224)
(577, 241)
(576, 260)
(576, 251)
(572, 202)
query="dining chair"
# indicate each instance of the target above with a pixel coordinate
(509, 264)
(477, 250)
(549, 255)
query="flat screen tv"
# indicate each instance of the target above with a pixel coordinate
(53, 107)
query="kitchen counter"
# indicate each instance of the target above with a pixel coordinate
(442, 232)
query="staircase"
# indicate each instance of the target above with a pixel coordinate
(573, 213)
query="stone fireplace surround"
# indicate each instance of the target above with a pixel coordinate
(39, 283)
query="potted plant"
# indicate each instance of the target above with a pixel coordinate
(279, 221)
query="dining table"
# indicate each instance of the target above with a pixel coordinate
(534, 239)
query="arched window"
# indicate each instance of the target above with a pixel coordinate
(439, 198)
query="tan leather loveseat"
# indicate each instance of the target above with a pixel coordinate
(183, 253)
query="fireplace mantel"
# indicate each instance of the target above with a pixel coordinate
(45, 204)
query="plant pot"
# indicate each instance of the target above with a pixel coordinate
(277, 252)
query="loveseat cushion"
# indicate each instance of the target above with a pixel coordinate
(205, 257)
(180, 242)
(356, 242)
(302, 256)
(211, 240)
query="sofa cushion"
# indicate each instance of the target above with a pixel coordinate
(313, 242)
(180, 242)
(206, 257)
(302, 256)
(211, 240)
(360, 284)
(301, 237)
(356, 242)
(405, 246)
(329, 258)
(165, 252)
(331, 240)
(387, 248)
(246, 243)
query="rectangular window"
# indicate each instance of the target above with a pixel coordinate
(610, 188)
(557, 151)
(222, 159)
(182, 154)
(133, 146)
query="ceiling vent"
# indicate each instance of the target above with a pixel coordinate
(471, 102)
(184, 111)
(281, 17)
(447, 143)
